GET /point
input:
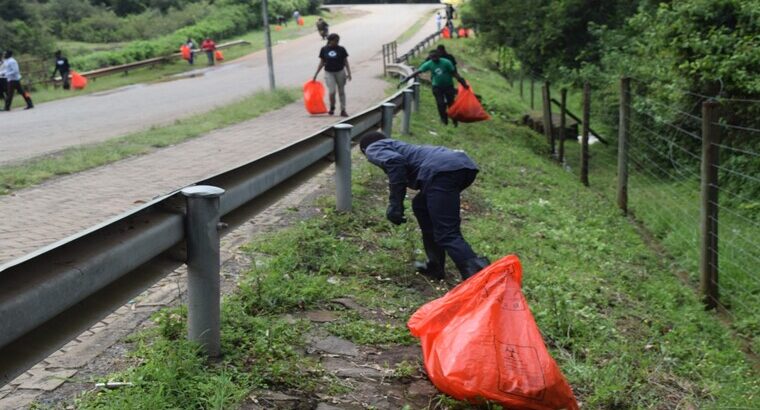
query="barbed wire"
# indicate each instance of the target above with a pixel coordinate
(738, 150)
(667, 141)
(691, 134)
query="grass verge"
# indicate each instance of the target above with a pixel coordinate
(411, 31)
(624, 330)
(77, 159)
(163, 72)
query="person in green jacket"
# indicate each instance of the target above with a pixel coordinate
(442, 73)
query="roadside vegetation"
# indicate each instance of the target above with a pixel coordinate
(81, 158)
(624, 329)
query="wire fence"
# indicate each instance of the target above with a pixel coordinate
(691, 177)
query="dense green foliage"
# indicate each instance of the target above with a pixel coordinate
(678, 53)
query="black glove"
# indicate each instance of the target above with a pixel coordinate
(395, 211)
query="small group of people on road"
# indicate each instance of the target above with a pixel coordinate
(10, 81)
(208, 46)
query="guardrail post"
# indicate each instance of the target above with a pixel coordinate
(407, 124)
(388, 109)
(395, 50)
(623, 132)
(416, 101)
(342, 152)
(201, 225)
(584, 138)
(708, 261)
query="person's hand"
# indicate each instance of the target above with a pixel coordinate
(395, 214)
(314, 79)
(465, 85)
(349, 76)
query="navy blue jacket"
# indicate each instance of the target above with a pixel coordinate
(415, 165)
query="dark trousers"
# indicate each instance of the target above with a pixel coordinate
(436, 207)
(3, 88)
(16, 86)
(66, 80)
(210, 56)
(444, 97)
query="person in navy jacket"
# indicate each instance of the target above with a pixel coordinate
(440, 175)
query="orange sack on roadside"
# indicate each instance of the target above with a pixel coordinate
(480, 341)
(301, 21)
(218, 56)
(314, 97)
(446, 33)
(466, 107)
(78, 81)
(185, 50)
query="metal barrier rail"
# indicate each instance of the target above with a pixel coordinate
(101, 72)
(50, 296)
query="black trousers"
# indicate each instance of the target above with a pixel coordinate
(66, 80)
(16, 86)
(444, 97)
(3, 88)
(436, 208)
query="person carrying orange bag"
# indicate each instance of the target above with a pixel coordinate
(314, 97)
(467, 108)
(442, 73)
(480, 341)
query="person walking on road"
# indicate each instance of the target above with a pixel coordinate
(62, 68)
(190, 46)
(442, 74)
(209, 46)
(438, 20)
(440, 175)
(13, 76)
(334, 59)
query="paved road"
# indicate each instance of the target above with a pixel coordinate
(54, 210)
(56, 125)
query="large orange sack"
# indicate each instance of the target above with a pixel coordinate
(314, 97)
(466, 107)
(78, 81)
(185, 50)
(218, 55)
(479, 341)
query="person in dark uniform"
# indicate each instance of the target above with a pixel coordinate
(442, 73)
(62, 67)
(13, 76)
(440, 175)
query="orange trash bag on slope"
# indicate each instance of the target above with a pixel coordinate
(185, 50)
(480, 341)
(78, 81)
(300, 21)
(446, 33)
(314, 97)
(218, 56)
(466, 107)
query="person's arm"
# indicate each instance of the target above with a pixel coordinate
(319, 68)
(460, 79)
(395, 167)
(55, 70)
(348, 69)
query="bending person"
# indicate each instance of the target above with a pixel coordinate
(440, 175)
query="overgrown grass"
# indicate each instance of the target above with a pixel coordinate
(77, 159)
(165, 71)
(623, 328)
(411, 31)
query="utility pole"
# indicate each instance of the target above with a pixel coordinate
(268, 42)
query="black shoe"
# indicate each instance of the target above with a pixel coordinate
(455, 122)
(29, 107)
(343, 113)
(430, 269)
(473, 266)
(332, 111)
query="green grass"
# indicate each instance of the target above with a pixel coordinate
(411, 31)
(625, 331)
(77, 159)
(163, 72)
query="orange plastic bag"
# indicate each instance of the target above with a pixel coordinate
(78, 81)
(314, 97)
(218, 56)
(300, 21)
(185, 50)
(462, 33)
(446, 33)
(467, 108)
(480, 341)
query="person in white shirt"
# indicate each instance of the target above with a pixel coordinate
(13, 76)
(438, 20)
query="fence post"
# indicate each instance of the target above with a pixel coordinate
(388, 109)
(342, 151)
(548, 123)
(407, 124)
(562, 124)
(584, 138)
(532, 99)
(203, 260)
(521, 85)
(416, 101)
(395, 51)
(708, 262)
(623, 133)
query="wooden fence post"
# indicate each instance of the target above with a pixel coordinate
(708, 262)
(562, 124)
(623, 134)
(532, 99)
(584, 139)
(548, 123)
(521, 85)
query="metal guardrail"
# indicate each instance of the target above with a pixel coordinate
(123, 68)
(50, 296)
